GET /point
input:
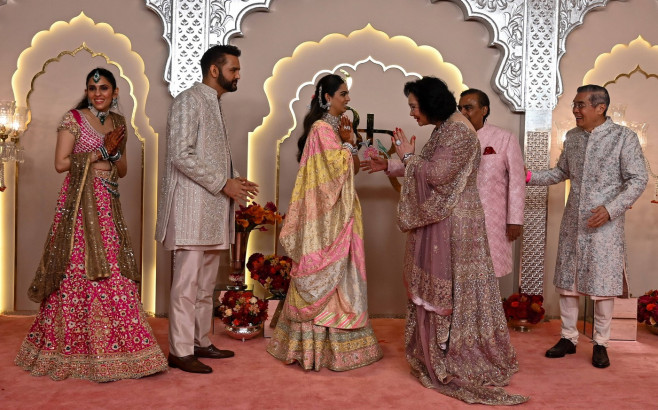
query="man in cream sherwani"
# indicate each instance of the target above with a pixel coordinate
(196, 206)
(501, 180)
(605, 164)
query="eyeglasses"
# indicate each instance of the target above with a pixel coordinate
(581, 105)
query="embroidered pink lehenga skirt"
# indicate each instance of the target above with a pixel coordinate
(95, 330)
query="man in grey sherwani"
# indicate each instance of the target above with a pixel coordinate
(605, 164)
(196, 208)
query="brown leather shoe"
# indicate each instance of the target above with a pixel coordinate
(188, 364)
(211, 352)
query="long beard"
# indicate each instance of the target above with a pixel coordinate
(229, 86)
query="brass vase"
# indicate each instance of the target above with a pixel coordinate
(238, 252)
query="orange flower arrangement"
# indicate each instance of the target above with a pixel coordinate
(521, 306)
(254, 216)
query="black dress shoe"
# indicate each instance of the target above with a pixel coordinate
(211, 352)
(600, 357)
(564, 346)
(188, 364)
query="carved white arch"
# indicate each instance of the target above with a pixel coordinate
(105, 42)
(281, 120)
(572, 14)
(530, 33)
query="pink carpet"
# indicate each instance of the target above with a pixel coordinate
(255, 380)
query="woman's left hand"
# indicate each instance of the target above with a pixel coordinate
(113, 139)
(401, 144)
(345, 130)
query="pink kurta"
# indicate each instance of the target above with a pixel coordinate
(501, 184)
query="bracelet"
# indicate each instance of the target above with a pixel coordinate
(406, 156)
(104, 155)
(528, 175)
(115, 157)
(351, 148)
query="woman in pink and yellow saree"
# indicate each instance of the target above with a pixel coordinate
(324, 322)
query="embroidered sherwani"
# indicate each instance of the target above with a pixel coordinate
(324, 322)
(606, 167)
(501, 184)
(195, 218)
(197, 165)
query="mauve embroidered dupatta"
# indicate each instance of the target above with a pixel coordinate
(433, 183)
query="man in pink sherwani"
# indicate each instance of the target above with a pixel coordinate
(501, 180)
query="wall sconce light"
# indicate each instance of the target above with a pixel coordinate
(12, 125)
(562, 127)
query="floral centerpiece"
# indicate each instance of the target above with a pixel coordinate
(241, 308)
(521, 306)
(248, 218)
(271, 271)
(647, 310)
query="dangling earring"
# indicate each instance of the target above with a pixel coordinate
(328, 105)
(115, 103)
(89, 104)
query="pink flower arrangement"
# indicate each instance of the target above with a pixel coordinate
(370, 152)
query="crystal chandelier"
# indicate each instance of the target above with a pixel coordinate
(12, 125)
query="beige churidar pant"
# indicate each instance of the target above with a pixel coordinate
(191, 300)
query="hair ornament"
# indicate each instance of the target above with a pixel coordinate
(97, 76)
(324, 106)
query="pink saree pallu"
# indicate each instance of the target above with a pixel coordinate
(324, 322)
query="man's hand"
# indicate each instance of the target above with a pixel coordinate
(600, 217)
(113, 139)
(240, 190)
(375, 164)
(514, 231)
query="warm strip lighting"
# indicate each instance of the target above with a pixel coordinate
(7, 241)
(132, 71)
(637, 56)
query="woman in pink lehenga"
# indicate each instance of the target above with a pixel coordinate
(90, 323)
(456, 335)
(324, 322)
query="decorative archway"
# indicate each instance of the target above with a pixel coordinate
(531, 35)
(116, 50)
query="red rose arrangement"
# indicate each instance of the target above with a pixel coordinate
(647, 308)
(272, 271)
(254, 216)
(521, 306)
(242, 308)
